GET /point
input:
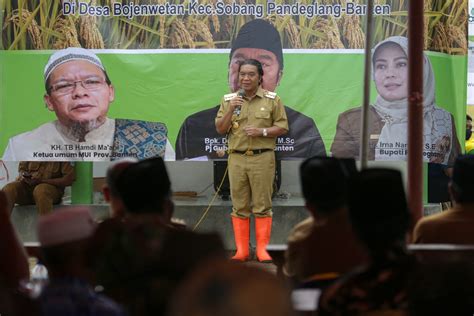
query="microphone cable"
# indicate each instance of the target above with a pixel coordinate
(204, 214)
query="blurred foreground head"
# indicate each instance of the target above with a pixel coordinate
(143, 187)
(378, 209)
(462, 182)
(63, 236)
(324, 181)
(222, 287)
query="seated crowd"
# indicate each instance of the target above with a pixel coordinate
(352, 249)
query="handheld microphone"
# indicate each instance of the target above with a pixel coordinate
(241, 94)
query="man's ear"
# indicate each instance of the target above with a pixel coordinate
(111, 93)
(168, 209)
(106, 193)
(310, 207)
(280, 74)
(49, 102)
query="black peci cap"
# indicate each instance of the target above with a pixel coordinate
(259, 34)
(143, 186)
(463, 175)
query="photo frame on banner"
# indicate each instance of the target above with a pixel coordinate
(469, 145)
(170, 64)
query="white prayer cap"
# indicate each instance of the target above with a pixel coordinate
(65, 225)
(68, 54)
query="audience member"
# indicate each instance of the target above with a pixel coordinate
(14, 269)
(380, 217)
(227, 288)
(455, 225)
(63, 237)
(140, 189)
(324, 245)
(41, 183)
(14, 262)
(139, 256)
(109, 190)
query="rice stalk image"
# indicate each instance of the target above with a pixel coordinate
(41, 24)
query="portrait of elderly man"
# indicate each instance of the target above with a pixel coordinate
(257, 39)
(79, 92)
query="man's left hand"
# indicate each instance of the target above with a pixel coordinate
(32, 181)
(253, 131)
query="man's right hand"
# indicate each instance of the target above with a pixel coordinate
(236, 102)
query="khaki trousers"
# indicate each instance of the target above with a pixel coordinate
(251, 182)
(43, 195)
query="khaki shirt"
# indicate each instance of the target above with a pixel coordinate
(263, 111)
(45, 170)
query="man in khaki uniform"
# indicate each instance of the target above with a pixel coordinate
(41, 183)
(252, 118)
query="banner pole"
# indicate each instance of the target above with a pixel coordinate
(415, 108)
(364, 148)
(82, 187)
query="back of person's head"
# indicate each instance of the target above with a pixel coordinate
(324, 182)
(63, 236)
(145, 187)
(462, 182)
(226, 288)
(140, 264)
(112, 175)
(378, 209)
(110, 191)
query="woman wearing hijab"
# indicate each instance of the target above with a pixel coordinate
(388, 116)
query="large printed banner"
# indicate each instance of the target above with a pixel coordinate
(469, 144)
(171, 62)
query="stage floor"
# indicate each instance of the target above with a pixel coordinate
(287, 212)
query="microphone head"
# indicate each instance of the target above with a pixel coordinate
(241, 93)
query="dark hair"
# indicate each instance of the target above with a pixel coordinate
(47, 87)
(255, 63)
(468, 117)
(261, 34)
(112, 175)
(378, 209)
(144, 186)
(462, 182)
(324, 182)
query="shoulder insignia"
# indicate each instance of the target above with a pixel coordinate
(228, 97)
(270, 95)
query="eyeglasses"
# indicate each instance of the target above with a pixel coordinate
(66, 87)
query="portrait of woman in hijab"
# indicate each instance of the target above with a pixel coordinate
(388, 115)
